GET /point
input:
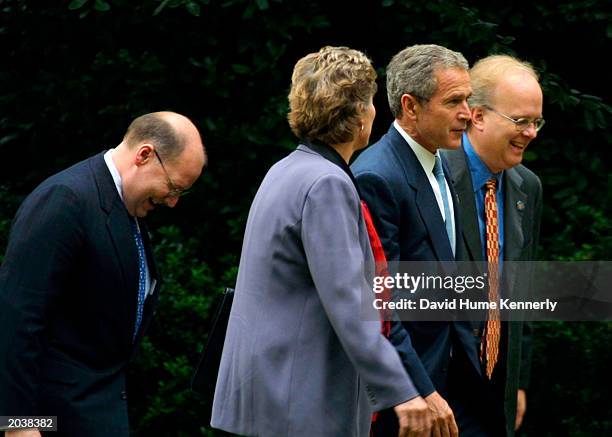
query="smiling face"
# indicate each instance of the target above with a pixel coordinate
(496, 139)
(147, 184)
(440, 121)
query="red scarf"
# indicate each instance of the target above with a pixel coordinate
(381, 269)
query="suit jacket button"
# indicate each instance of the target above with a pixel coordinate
(476, 332)
(123, 395)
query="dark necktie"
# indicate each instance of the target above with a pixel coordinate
(142, 275)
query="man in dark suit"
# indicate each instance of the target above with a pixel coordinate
(506, 109)
(78, 284)
(414, 207)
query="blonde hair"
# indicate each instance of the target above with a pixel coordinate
(330, 89)
(485, 75)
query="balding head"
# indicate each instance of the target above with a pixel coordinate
(489, 72)
(160, 157)
(169, 132)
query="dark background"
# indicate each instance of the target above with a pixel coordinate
(73, 74)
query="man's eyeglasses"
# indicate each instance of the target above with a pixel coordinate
(520, 123)
(174, 191)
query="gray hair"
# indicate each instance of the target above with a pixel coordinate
(412, 71)
(155, 129)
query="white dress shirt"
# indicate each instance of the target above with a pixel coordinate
(427, 161)
(108, 158)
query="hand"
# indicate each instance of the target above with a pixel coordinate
(23, 433)
(444, 419)
(414, 418)
(521, 407)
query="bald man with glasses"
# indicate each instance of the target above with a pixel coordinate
(79, 284)
(506, 115)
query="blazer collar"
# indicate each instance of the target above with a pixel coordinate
(515, 202)
(425, 199)
(462, 180)
(120, 233)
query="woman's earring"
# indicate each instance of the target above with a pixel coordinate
(362, 127)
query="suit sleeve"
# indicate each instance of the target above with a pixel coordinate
(386, 215)
(40, 252)
(331, 239)
(385, 211)
(526, 345)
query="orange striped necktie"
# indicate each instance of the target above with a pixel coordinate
(490, 349)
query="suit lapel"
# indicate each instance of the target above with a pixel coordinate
(515, 200)
(425, 199)
(462, 180)
(459, 255)
(120, 232)
(514, 238)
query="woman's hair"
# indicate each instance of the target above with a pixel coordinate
(330, 89)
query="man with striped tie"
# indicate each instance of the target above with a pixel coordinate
(501, 205)
(78, 284)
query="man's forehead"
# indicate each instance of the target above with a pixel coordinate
(517, 86)
(453, 80)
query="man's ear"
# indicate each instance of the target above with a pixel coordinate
(477, 120)
(410, 106)
(144, 154)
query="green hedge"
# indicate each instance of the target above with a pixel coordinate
(75, 73)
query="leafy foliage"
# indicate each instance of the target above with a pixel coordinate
(75, 73)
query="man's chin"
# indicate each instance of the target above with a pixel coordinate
(142, 211)
(454, 145)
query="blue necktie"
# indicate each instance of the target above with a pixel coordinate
(142, 275)
(439, 175)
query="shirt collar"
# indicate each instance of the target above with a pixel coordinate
(425, 157)
(108, 158)
(480, 172)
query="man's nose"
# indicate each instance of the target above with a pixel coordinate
(171, 201)
(530, 131)
(464, 111)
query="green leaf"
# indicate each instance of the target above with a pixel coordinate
(262, 5)
(76, 4)
(248, 12)
(241, 69)
(193, 8)
(101, 6)
(160, 7)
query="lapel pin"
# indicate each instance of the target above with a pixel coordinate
(520, 205)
